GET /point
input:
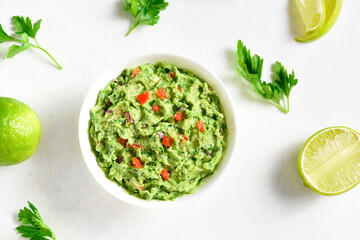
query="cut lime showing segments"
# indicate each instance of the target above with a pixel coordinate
(329, 162)
(332, 11)
(312, 14)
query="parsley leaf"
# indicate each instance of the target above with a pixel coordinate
(144, 11)
(33, 226)
(250, 68)
(3, 36)
(281, 78)
(25, 26)
(25, 29)
(16, 49)
(267, 90)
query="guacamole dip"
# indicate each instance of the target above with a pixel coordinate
(158, 131)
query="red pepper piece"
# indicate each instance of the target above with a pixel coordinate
(179, 88)
(178, 116)
(135, 145)
(156, 108)
(200, 126)
(139, 187)
(135, 72)
(136, 163)
(165, 174)
(185, 137)
(143, 97)
(167, 141)
(172, 74)
(161, 93)
(122, 141)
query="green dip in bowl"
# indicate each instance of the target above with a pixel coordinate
(158, 131)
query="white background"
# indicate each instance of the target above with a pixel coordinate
(260, 196)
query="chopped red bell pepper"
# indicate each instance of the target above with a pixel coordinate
(136, 163)
(200, 126)
(156, 108)
(167, 141)
(135, 72)
(135, 145)
(122, 141)
(161, 93)
(139, 187)
(165, 174)
(185, 137)
(144, 97)
(172, 74)
(179, 88)
(178, 116)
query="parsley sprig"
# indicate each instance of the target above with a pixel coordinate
(144, 11)
(25, 30)
(33, 226)
(250, 68)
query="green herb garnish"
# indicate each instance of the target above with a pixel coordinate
(33, 226)
(25, 30)
(250, 68)
(144, 11)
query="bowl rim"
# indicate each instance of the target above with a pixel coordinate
(180, 61)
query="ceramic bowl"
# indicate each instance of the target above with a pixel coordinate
(181, 62)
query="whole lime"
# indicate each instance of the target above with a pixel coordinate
(20, 131)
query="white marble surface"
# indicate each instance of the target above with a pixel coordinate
(261, 195)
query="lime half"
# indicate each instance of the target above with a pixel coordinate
(329, 162)
(332, 11)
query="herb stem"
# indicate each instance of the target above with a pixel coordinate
(17, 40)
(288, 103)
(47, 53)
(280, 107)
(38, 47)
(132, 28)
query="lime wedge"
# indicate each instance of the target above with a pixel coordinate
(329, 162)
(332, 11)
(312, 14)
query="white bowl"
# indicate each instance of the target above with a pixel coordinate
(114, 72)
